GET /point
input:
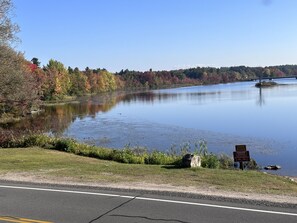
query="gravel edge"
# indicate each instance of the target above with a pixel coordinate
(146, 191)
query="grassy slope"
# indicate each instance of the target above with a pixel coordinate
(59, 166)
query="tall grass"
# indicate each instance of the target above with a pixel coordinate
(129, 155)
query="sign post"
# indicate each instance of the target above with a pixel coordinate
(241, 155)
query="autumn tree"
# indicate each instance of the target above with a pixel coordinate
(57, 80)
(19, 92)
(79, 83)
(106, 81)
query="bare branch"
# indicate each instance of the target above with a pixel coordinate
(8, 29)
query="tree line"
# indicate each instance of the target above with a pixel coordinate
(56, 82)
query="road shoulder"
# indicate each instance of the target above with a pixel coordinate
(168, 190)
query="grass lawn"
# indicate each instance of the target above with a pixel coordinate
(36, 163)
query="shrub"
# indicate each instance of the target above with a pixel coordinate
(101, 153)
(226, 162)
(161, 158)
(127, 156)
(36, 140)
(155, 157)
(210, 161)
(11, 138)
(61, 146)
(252, 165)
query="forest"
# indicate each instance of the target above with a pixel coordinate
(25, 85)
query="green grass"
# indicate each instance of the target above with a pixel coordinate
(60, 166)
(127, 155)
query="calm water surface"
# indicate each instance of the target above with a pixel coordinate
(224, 115)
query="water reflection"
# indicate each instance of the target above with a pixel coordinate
(55, 119)
(260, 100)
(148, 97)
(163, 97)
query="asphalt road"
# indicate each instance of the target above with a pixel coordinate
(42, 204)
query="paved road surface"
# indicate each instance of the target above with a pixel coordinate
(42, 204)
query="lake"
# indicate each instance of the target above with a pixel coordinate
(223, 115)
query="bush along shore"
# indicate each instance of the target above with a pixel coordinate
(129, 155)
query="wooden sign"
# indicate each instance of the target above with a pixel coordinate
(241, 156)
(240, 148)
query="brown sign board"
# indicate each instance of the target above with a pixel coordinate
(240, 148)
(241, 156)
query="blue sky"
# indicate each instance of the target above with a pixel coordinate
(158, 34)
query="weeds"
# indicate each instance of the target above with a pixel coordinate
(226, 162)
(137, 155)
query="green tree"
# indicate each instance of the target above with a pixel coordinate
(79, 83)
(35, 61)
